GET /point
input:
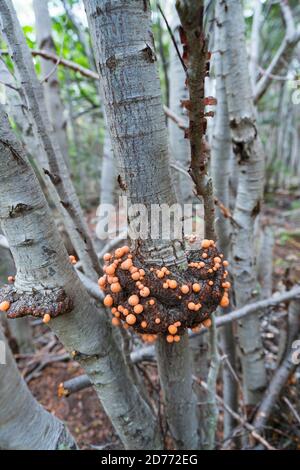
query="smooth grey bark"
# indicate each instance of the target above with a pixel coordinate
(107, 186)
(265, 262)
(51, 86)
(125, 57)
(41, 260)
(250, 157)
(24, 423)
(284, 54)
(284, 371)
(221, 150)
(255, 42)
(20, 330)
(108, 173)
(179, 145)
(54, 167)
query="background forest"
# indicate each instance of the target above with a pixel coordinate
(229, 381)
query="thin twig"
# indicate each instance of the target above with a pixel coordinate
(292, 408)
(172, 36)
(237, 417)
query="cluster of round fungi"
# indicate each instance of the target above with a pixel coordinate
(154, 300)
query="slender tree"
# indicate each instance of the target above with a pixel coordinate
(51, 86)
(24, 424)
(43, 270)
(221, 154)
(125, 57)
(54, 165)
(249, 153)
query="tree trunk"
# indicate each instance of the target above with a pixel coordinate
(42, 263)
(125, 57)
(51, 86)
(179, 145)
(55, 167)
(249, 154)
(220, 167)
(24, 424)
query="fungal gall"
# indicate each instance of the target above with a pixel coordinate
(180, 299)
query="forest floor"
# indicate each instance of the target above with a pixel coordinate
(81, 411)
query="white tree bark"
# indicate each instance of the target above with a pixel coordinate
(284, 54)
(24, 424)
(179, 145)
(125, 57)
(108, 172)
(221, 151)
(20, 330)
(56, 168)
(249, 154)
(43, 265)
(255, 42)
(51, 86)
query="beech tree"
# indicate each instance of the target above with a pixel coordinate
(173, 290)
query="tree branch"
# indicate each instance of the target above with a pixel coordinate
(284, 54)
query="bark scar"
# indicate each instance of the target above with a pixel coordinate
(36, 303)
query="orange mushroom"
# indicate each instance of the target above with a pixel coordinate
(172, 329)
(110, 269)
(108, 301)
(207, 323)
(126, 265)
(184, 289)
(145, 292)
(46, 318)
(131, 319)
(116, 287)
(170, 338)
(205, 243)
(4, 306)
(115, 321)
(102, 282)
(196, 287)
(119, 252)
(138, 308)
(133, 300)
(135, 276)
(224, 301)
(172, 284)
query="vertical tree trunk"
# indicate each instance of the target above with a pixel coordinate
(249, 154)
(43, 265)
(179, 145)
(108, 173)
(220, 167)
(181, 153)
(20, 330)
(125, 57)
(56, 169)
(51, 86)
(24, 424)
